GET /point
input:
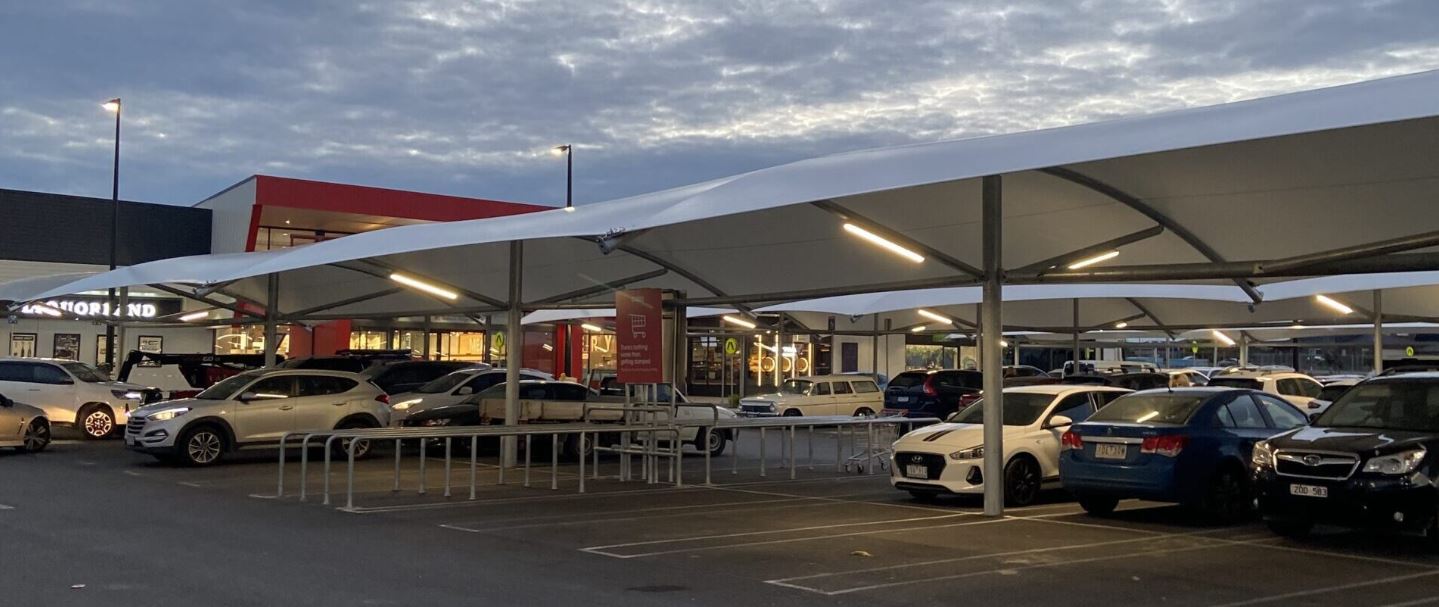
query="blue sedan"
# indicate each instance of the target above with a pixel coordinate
(1189, 446)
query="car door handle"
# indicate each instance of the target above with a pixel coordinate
(338, 404)
(286, 407)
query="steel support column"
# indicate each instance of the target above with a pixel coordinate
(514, 351)
(1378, 331)
(1075, 355)
(1243, 349)
(992, 364)
(272, 314)
(120, 352)
(874, 348)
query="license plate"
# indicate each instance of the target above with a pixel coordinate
(1309, 490)
(916, 471)
(1110, 451)
(901, 399)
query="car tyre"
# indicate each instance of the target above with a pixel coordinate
(1098, 506)
(1021, 481)
(1227, 500)
(200, 446)
(573, 450)
(716, 438)
(864, 412)
(792, 413)
(1290, 529)
(363, 447)
(96, 422)
(37, 437)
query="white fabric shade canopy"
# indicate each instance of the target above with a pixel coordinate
(1256, 180)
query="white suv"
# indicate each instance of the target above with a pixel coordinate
(255, 409)
(1297, 388)
(72, 393)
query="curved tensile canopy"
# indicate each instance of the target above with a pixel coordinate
(1250, 188)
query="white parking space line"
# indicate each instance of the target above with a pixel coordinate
(605, 550)
(1011, 569)
(130, 473)
(562, 520)
(4, 507)
(849, 572)
(1329, 589)
(1424, 601)
(510, 500)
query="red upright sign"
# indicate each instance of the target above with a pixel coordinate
(639, 336)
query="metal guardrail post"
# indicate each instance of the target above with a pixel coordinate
(869, 448)
(474, 462)
(555, 461)
(528, 443)
(582, 459)
(809, 443)
(447, 466)
(328, 442)
(280, 490)
(838, 448)
(396, 488)
(734, 455)
(762, 443)
(706, 443)
(350, 475)
(424, 442)
(791, 452)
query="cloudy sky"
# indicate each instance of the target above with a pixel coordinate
(466, 96)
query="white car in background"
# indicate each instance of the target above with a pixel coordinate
(452, 389)
(817, 395)
(1297, 388)
(948, 458)
(72, 393)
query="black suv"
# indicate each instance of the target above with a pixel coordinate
(1369, 460)
(407, 375)
(931, 393)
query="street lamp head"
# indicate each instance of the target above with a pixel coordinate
(112, 105)
(560, 150)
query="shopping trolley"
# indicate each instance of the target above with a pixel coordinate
(872, 445)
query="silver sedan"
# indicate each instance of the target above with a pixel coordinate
(23, 426)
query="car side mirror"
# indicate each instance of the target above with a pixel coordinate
(1313, 417)
(248, 396)
(1059, 421)
(5, 401)
(465, 391)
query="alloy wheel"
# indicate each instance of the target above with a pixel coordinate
(37, 436)
(203, 447)
(1023, 481)
(98, 424)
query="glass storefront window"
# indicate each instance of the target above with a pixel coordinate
(249, 339)
(369, 340)
(463, 345)
(930, 357)
(598, 351)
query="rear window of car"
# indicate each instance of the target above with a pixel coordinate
(1237, 382)
(1163, 408)
(908, 379)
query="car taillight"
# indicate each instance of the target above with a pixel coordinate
(384, 398)
(1070, 440)
(929, 386)
(1168, 445)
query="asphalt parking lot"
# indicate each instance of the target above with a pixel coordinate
(92, 524)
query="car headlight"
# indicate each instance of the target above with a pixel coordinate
(127, 394)
(1263, 456)
(404, 405)
(1397, 463)
(437, 422)
(167, 414)
(970, 453)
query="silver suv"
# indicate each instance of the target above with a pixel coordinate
(72, 393)
(255, 409)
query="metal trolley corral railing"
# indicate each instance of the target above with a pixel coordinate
(650, 450)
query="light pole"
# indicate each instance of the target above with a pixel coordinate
(569, 152)
(113, 106)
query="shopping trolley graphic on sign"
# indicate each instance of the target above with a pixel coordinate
(873, 448)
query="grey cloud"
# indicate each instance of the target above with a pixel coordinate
(464, 97)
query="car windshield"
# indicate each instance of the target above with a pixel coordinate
(85, 373)
(444, 383)
(1402, 405)
(1162, 408)
(1237, 382)
(228, 387)
(1020, 409)
(801, 387)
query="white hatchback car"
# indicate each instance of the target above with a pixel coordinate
(72, 393)
(948, 458)
(256, 408)
(817, 395)
(1297, 388)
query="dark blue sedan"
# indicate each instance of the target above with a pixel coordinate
(1189, 446)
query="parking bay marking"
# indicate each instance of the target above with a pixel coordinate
(1004, 570)
(1328, 589)
(4, 507)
